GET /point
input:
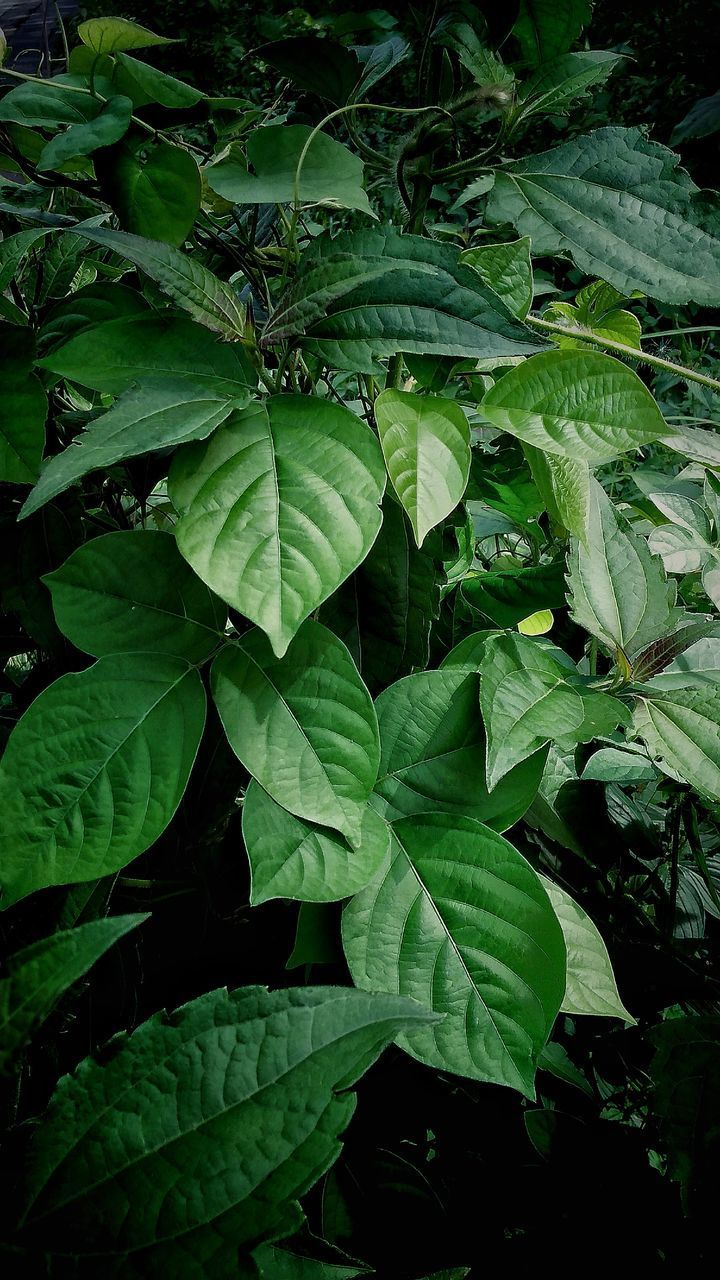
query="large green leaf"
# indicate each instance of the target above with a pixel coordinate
(303, 725)
(681, 730)
(48, 104)
(105, 35)
(159, 414)
(506, 596)
(546, 28)
(211, 301)
(433, 753)
(279, 507)
(194, 1139)
(38, 975)
(591, 986)
(24, 408)
(112, 355)
(526, 702)
(145, 84)
(109, 125)
(373, 293)
(131, 591)
(384, 612)
(619, 205)
(618, 590)
(154, 187)
(582, 405)
(507, 269)
(95, 769)
(461, 921)
(330, 173)
(426, 445)
(290, 858)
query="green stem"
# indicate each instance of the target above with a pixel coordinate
(633, 353)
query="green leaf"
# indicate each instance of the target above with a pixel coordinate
(460, 920)
(290, 858)
(546, 28)
(154, 187)
(246, 1092)
(506, 596)
(610, 764)
(555, 85)
(109, 125)
(622, 209)
(50, 104)
(698, 664)
(426, 445)
(591, 986)
(373, 293)
(433, 753)
(159, 414)
(618, 590)
(39, 975)
(507, 269)
(303, 725)
(598, 310)
(284, 1264)
(210, 301)
(95, 769)
(131, 591)
(145, 84)
(112, 355)
(525, 700)
(13, 250)
(88, 308)
(106, 35)
(330, 174)
(320, 66)
(564, 486)
(279, 507)
(578, 404)
(24, 408)
(681, 730)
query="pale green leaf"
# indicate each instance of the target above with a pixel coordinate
(105, 35)
(95, 769)
(426, 445)
(699, 664)
(303, 725)
(507, 269)
(681, 729)
(591, 986)
(461, 921)
(279, 507)
(330, 174)
(564, 486)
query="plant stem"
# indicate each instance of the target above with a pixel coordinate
(643, 357)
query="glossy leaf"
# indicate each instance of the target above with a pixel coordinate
(591, 987)
(507, 269)
(303, 725)
(132, 592)
(460, 920)
(95, 769)
(279, 508)
(145, 84)
(267, 174)
(426, 445)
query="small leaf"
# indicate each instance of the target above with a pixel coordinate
(290, 858)
(145, 84)
(564, 486)
(105, 35)
(95, 769)
(610, 764)
(537, 624)
(507, 269)
(24, 408)
(591, 986)
(462, 921)
(39, 975)
(109, 125)
(279, 508)
(131, 591)
(426, 445)
(582, 405)
(303, 725)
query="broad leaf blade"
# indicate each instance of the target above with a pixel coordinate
(330, 174)
(591, 987)
(681, 730)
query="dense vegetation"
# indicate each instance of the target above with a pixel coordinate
(360, 647)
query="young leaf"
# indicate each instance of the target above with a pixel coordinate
(547, 28)
(161, 413)
(106, 35)
(95, 769)
(279, 508)
(582, 405)
(303, 725)
(507, 269)
(154, 187)
(461, 921)
(245, 1092)
(112, 355)
(597, 309)
(433, 753)
(290, 858)
(330, 174)
(591, 986)
(38, 975)
(426, 444)
(525, 700)
(374, 293)
(681, 730)
(210, 301)
(131, 591)
(623, 210)
(618, 591)
(109, 125)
